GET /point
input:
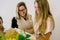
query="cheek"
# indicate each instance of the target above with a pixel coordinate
(36, 7)
(25, 11)
(22, 14)
(0, 21)
(36, 10)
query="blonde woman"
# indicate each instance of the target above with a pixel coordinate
(22, 20)
(43, 21)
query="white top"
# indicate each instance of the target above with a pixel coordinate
(49, 26)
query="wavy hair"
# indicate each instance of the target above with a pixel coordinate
(17, 11)
(44, 13)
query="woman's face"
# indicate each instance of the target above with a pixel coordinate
(1, 23)
(22, 11)
(36, 7)
(1, 26)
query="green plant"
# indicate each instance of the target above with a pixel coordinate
(22, 37)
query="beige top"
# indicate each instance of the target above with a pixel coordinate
(50, 25)
(49, 28)
(25, 24)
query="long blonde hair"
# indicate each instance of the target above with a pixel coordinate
(17, 11)
(43, 15)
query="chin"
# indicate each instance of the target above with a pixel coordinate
(23, 15)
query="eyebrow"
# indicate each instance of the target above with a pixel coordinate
(22, 10)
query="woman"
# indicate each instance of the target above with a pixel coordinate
(2, 34)
(1, 25)
(44, 22)
(22, 20)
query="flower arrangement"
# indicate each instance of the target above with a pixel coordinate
(14, 34)
(23, 35)
(2, 37)
(11, 34)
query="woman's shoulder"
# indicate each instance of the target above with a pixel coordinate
(14, 23)
(14, 19)
(50, 18)
(50, 24)
(51, 21)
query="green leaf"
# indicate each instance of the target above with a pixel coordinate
(2, 36)
(21, 37)
(27, 35)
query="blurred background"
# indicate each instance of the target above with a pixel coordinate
(8, 11)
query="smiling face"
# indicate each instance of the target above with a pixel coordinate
(22, 11)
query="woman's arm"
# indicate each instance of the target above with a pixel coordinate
(14, 23)
(47, 36)
(31, 30)
(30, 23)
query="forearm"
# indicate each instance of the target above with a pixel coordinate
(43, 37)
(31, 31)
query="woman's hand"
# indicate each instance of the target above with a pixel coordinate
(31, 30)
(45, 37)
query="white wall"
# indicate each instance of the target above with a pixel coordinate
(55, 9)
(7, 11)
